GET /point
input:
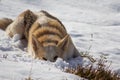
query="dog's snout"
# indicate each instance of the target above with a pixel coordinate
(44, 58)
(55, 58)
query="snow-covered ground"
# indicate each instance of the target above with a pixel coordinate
(89, 22)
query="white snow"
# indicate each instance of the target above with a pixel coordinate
(93, 23)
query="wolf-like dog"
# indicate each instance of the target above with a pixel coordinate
(46, 35)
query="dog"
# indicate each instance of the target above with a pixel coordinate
(46, 35)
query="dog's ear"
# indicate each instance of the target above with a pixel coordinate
(64, 43)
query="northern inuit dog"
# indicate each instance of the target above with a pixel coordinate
(46, 35)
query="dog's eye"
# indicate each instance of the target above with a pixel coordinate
(55, 57)
(44, 59)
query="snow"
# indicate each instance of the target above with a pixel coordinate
(93, 23)
(15, 64)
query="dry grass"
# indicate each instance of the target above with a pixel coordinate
(102, 72)
(95, 74)
(29, 78)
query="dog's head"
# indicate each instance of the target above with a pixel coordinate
(51, 52)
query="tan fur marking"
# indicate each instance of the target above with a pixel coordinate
(47, 30)
(49, 44)
(57, 25)
(49, 37)
(34, 27)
